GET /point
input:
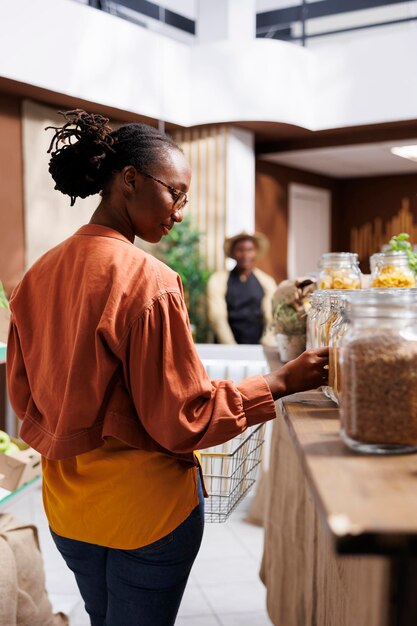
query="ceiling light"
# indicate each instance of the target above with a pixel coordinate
(407, 152)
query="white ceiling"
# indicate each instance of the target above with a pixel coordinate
(373, 159)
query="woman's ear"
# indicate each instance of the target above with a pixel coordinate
(129, 178)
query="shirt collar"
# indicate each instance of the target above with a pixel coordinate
(96, 230)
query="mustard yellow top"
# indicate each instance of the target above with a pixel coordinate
(117, 496)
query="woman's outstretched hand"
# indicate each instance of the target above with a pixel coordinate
(308, 371)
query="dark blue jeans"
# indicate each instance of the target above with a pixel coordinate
(141, 587)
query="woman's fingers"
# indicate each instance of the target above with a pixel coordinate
(321, 352)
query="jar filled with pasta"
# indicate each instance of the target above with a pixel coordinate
(339, 270)
(378, 365)
(391, 270)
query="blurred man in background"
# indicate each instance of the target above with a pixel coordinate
(239, 301)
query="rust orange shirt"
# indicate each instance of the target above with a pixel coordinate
(100, 347)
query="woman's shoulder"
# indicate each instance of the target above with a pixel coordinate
(149, 271)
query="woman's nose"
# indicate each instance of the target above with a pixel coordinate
(178, 215)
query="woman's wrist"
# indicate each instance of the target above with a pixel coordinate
(277, 382)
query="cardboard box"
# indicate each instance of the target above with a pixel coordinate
(19, 468)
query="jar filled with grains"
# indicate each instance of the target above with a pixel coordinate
(391, 269)
(378, 365)
(339, 270)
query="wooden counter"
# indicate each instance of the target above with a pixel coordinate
(340, 528)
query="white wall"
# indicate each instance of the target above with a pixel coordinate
(240, 182)
(73, 49)
(106, 59)
(252, 80)
(366, 80)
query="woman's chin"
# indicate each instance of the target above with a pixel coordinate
(154, 238)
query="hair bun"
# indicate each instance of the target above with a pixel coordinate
(80, 165)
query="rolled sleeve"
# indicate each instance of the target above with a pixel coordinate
(258, 403)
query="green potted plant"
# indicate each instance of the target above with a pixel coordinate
(4, 321)
(181, 251)
(4, 303)
(290, 330)
(401, 243)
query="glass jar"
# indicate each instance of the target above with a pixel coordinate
(391, 269)
(315, 318)
(374, 261)
(312, 314)
(323, 320)
(378, 401)
(337, 332)
(339, 270)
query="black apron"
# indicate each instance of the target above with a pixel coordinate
(243, 299)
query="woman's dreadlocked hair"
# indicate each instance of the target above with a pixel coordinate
(91, 151)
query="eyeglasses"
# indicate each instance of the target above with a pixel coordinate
(180, 197)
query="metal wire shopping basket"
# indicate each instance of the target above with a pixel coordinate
(229, 471)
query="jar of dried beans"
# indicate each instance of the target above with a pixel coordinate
(378, 365)
(339, 270)
(391, 269)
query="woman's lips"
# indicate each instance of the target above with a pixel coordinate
(165, 229)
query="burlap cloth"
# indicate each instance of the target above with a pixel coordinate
(23, 598)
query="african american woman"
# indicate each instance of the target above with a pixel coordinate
(104, 374)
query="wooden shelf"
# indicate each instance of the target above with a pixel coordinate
(368, 503)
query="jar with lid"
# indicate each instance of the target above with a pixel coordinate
(378, 401)
(339, 270)
(374, 261)
(391, 269)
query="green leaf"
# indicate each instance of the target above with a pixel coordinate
(181, 251)
(400, 243)
(287, 320)
(4, 303)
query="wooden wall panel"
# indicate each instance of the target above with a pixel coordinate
(368, 211)
(12, 243)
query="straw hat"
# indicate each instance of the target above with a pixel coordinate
(260, 241)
